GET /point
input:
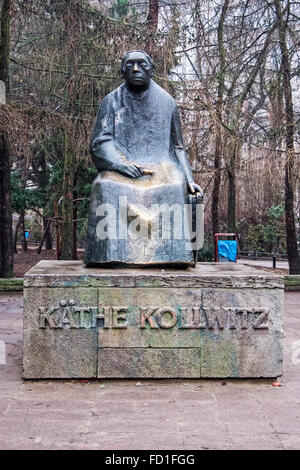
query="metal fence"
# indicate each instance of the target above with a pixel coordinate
(260, 255)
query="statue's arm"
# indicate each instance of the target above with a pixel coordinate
(105, 152)
(181, 153)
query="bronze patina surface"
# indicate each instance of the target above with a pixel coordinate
(137, 147)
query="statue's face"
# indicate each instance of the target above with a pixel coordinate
(137, 70)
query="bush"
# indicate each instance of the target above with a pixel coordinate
(206, 254)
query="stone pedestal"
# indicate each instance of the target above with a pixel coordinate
(218, 320)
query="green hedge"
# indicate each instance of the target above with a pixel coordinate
(12, 284)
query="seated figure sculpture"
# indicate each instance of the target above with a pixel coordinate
(144, 176)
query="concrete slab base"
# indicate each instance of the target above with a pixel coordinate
(217, 320)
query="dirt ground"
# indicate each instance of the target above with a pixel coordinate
(280, 271)
(23, 261)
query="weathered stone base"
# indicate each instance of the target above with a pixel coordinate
(218, 320)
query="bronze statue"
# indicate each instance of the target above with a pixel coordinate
(144, 176)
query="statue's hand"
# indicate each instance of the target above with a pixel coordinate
(195, 188)
(129, 169)
(145, 171)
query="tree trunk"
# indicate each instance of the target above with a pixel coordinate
(67, 203)
(231, 201)
(152, 19)
(57, 231)
(5, 43)
(48, 236)
(23, 237)
(6, 241)
(216, 186)
(218, 127)
(46, 226)
(15, 237)
(152, 23)
(231, 221)
(75, 220)
(291, 235)
(6, 235)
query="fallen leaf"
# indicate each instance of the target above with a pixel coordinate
(276, 384)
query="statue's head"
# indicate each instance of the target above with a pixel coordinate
(137, 69)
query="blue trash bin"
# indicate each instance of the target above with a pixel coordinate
(227, 251)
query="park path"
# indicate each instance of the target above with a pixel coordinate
(147, 414)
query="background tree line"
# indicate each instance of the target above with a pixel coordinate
(233, 67)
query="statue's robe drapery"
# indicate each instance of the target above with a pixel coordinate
(145, 131)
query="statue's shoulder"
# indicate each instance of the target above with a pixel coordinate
(114, 96)
(163, 94)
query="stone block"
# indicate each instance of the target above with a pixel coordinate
(58, 341)
(213, 321)
(149, 363)
(249, 326)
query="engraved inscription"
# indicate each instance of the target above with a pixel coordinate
(146, 316)
(119, 315)
(166, 317)
(68, 315)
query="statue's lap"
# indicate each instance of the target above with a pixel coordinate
(141, 198)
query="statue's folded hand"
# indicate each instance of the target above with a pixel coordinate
(129, 169)
(145, 171)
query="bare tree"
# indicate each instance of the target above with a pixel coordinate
(218, 131)
(291, 236)
(6, 242)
